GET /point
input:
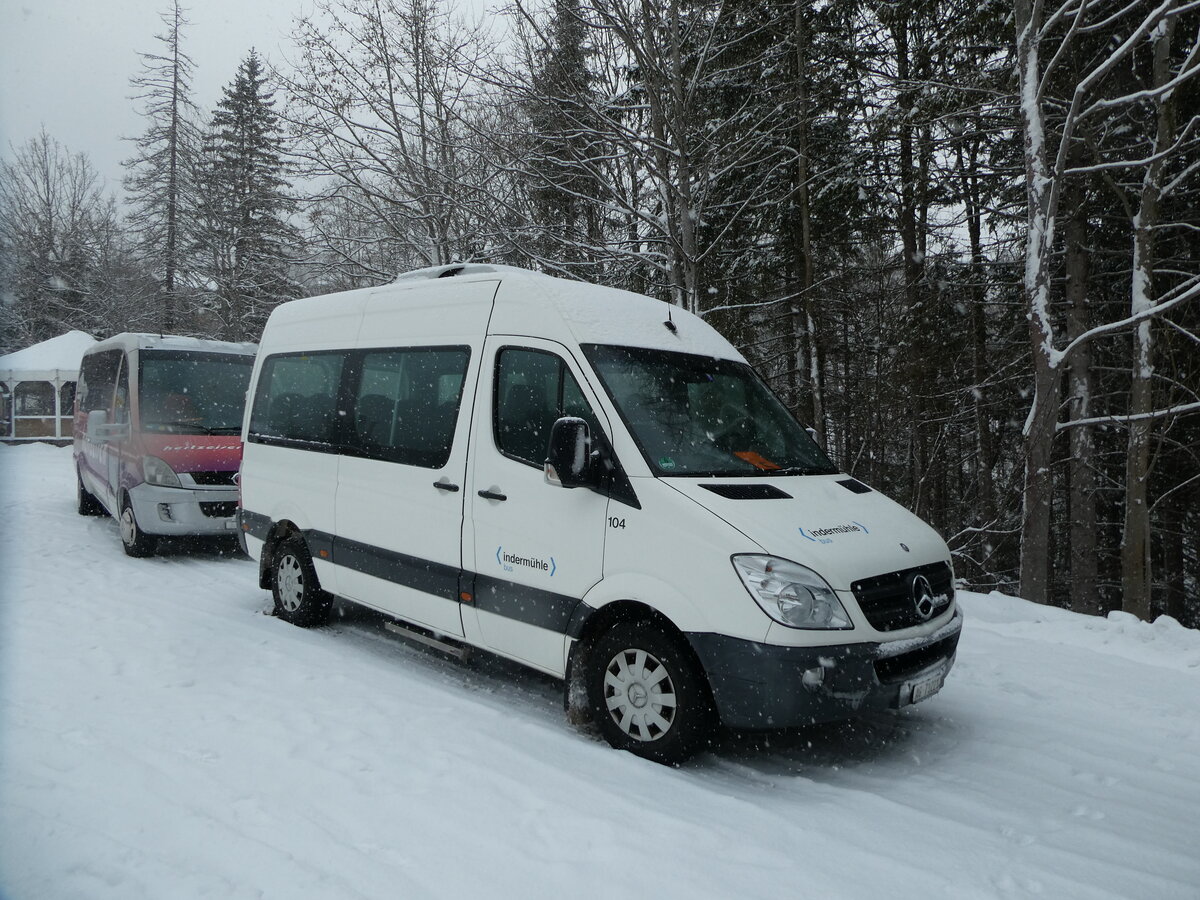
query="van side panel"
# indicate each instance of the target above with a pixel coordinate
(284, 482)
(401, 484)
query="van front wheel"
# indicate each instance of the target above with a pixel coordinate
(647, 693)
(135, 541)
(298, 596)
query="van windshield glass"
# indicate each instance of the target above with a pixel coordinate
(183, 392)
(699, 416)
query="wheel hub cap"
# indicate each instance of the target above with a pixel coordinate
(291, 583)
(128, 526)
(640, 695)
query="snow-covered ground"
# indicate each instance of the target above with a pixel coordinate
(160, 737)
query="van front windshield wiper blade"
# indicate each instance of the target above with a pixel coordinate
(183, 427)
(802, 470)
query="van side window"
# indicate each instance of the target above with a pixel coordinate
(533, 388)
(97, 378)
(297, 398)
(120, 412)
(406, 404)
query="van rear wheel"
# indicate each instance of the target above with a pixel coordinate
(647, 693)
(298, 595)
(135, 541)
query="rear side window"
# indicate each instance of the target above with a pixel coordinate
(97, 378)
(406, 404)
(296, 398)
(533, 388)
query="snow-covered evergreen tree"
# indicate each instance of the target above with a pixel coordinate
(244, 240)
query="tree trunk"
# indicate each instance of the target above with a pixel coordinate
(1085, 591)
(1173, 564)
(984, 448)
(1043, 414)
(813, 373)
(1135, 546)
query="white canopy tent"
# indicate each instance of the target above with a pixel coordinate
(39, 387)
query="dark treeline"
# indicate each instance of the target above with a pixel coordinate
(960, 239)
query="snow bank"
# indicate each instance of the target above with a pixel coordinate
(1163, 642)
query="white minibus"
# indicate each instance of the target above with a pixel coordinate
(593, 484)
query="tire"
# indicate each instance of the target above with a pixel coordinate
(648, 694)
(135, 541)
(298, 595)
(86, 503)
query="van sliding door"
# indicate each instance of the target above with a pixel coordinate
(401, 478)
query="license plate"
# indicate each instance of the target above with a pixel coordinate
(922, 690)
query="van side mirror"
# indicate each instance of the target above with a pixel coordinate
(569, 461)
(100, 430)
(97, 419)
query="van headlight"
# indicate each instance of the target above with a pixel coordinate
(158, 472)
(789, 593)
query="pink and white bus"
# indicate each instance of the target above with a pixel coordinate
(157, 435)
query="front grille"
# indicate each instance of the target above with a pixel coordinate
(221, 509)
(213, 477)
(900, 668)
(887, 600)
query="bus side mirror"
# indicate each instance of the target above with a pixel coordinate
(100, 430)
(97, 420)
(569, 461)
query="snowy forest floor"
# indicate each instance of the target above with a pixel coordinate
(162, 737)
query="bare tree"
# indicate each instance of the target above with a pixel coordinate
(646, 136)
(1054, 31)
(158, 180)
(53, 220)
(381, 102)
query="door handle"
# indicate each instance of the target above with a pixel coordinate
(492, 495)
(445, 486)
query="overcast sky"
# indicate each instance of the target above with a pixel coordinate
(66, 64)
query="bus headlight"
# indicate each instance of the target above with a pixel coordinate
(158, 472)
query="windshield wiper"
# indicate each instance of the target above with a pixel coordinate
(186, 427)
(802, 470)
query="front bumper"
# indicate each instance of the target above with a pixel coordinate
(184, 511)
(759, 685)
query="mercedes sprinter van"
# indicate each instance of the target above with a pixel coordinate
(158, 435)
(590, 483)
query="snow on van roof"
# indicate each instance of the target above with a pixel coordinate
(146, 341)
(592, 313)
(603, 315)
(61, 353)
(459, 270)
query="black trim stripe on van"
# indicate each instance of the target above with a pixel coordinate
(413, 572)
(525, 604)
(254, 524)
(519, 602)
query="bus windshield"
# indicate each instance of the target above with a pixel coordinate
(699, 416)
(186, 392)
